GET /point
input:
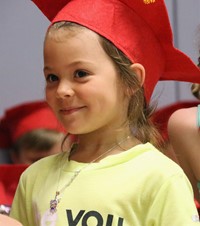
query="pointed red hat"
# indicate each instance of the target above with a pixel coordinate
(24, 118)
(139, 28)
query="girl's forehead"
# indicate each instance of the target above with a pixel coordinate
(81, 38)
(66, 32)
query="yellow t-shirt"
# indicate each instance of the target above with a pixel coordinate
(138, 187)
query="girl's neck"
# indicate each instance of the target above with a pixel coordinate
(88, 150)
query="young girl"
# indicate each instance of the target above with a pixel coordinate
(100, 58)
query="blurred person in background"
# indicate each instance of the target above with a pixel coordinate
(184, 135)
(28, 132)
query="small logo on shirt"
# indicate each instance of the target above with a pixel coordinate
(195, 218)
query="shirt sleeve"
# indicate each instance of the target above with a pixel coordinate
(19, 205)
(174, 204)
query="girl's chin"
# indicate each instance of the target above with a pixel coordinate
(73, 130)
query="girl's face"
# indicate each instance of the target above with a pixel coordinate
(82, 83)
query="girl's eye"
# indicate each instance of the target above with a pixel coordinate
(51, 78)
(80, 74)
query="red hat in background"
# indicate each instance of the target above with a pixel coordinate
(139, 28)
(24, 118)
(9, 178)
(162, 115)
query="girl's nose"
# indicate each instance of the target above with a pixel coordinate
(64, 90)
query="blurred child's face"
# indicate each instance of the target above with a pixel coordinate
(82, 83)
(29, 156)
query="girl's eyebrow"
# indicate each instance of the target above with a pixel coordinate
(46, 68)
(78, 62)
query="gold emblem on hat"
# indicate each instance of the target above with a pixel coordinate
(149, 1)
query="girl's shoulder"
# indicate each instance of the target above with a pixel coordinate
(183, 118)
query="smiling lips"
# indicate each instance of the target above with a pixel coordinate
(70, 110)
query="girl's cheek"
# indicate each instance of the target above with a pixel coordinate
(49, 98)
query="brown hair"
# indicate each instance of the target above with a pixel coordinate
(195, 89)
(38, 139)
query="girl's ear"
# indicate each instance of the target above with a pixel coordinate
(139, 70)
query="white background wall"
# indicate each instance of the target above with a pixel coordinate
(22, 29)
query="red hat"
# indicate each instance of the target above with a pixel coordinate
(139, 28)
(9, 178)
(24, 118)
